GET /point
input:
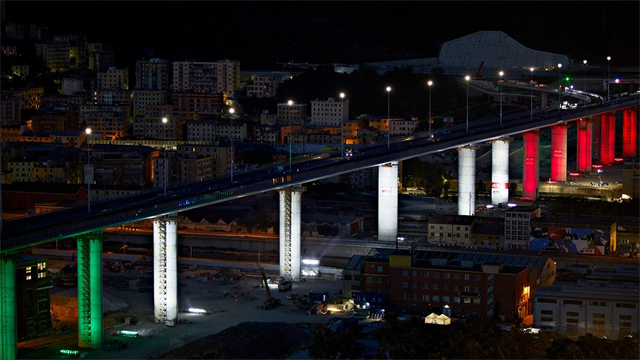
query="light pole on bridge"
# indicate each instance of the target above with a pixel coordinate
(429, 83)
(500, 85)
(388, 116)
(467, 78)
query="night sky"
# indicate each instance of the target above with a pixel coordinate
(346, 32)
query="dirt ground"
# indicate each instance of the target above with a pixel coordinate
(238, 306)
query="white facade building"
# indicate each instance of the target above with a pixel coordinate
(329, 112)
(517, 226)
(222, 76)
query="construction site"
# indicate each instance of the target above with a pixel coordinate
(216, 303)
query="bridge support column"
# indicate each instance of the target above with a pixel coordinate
(629, 133)
(500, 171)
(388, 201)
(165, 270)
(8, 309)
(584, 145)
(90, 323)
(290, 224)
(559, 152)
(467, 180)
(607, 138)
(531, 168)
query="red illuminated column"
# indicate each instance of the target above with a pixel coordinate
(559, 152)
(629, 133)
(531, 168)
(607, 138)
(584, 148)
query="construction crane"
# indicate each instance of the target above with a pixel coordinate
(478, 76)
(271, 302)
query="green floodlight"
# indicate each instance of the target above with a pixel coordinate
(70, 352)
(567, 78)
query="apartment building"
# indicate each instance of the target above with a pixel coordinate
(158, 110)
(451, 229)
(144, 98)
(112, 96)
(228, 130)
(73, 84)
(329, 112)
(111, 124)
(488, 234)
(33, 294)
(10, 109)
(50, 120)
(121, 164)
(221, 76)
(55, 55)
(401, 127)
(261, 86)
(291, 114)
(152, 74)
(517, 226)
(351, 127)
(193, 167)
(29, 96)
(191, 105)
(152, 127)
(220, 155)
(20, 70)
(202, 130)
(114, 77)
(381, 123)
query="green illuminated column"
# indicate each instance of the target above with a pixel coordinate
(90, 326)
(8, 332)
(84, 293)
(95, 248)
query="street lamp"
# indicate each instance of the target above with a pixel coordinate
(231, 111)
(559, 84)
(501, 73)
(608, 75)
(585, 74)
(88, 174)
(388, 117)
(531, 92)
(165, 121)
(290, 103)
(467, 78)
(342, 127)
(429, 83)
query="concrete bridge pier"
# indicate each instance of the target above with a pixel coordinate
(290, 224)
(607, 138)
(500, 171)
(165, 269)
(559, 152)
(629, 133)
(467, 180)
(388, 201)
(8, 308)
(90, 312)
(584, 158)
(531, 164)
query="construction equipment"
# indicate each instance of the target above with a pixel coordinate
(271, 302)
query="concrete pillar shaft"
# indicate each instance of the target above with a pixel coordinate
(500, 171)
(388, 201)
(95, 259)
(531, 166)
(584, 145)
(607, 138)
(467, 180)
(559, 152)
(290, 232)
(8, 309)
(630, 133)
(165, 270)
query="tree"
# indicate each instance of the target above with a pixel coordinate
(408, 339)
(325, 343)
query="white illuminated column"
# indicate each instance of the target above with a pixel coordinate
(500, 171)
(466, 180)
(290, 225)
(467, 78)
(165, 270)
(388, 201)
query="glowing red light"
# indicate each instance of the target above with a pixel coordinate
(526, 198)
(551, 182)
(618, 159)
(574, 174)
(596, 166)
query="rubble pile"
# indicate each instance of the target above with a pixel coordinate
(248, 340)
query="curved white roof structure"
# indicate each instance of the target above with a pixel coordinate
(498, 51)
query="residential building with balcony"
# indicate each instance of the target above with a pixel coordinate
(152, 127)
(221, 76)
(193, 105)
(517, 226)
(33, 293)
(10, 109)
(144, 98)
(114, 77)
(294, 114)
(74, 84)
(202, 130)
(261, 86)
(220, 155)
(401, 127)
(488, 234)
(227, 130)
(152, 75)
